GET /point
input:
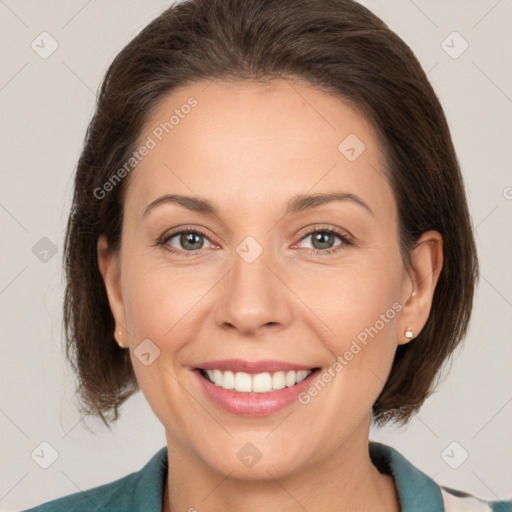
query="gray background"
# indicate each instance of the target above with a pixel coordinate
(46, 104)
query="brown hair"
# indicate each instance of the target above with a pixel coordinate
(336, 45)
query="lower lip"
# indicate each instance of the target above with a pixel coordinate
(255, 404)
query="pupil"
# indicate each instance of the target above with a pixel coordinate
(190, 238)
(321, 237)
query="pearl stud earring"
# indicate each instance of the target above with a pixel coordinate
(119, 333)
(409, 334)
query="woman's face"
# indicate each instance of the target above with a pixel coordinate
(269, 277)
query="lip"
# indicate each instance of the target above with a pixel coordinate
(252, 367)
(254, 404)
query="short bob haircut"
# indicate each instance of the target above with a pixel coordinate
(336, 46)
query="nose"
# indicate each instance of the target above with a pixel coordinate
(253, 297)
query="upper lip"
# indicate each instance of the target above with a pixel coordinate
(240, 365)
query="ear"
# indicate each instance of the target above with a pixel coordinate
(420, 284)
(110, 270)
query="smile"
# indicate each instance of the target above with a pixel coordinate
(254, 394)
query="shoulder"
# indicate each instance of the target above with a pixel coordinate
(125, 494)
(417, 491)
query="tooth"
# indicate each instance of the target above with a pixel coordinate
(301, 375)
(262, 383)
(278, 380)
(217, 377)
(243, 382)
(290, 378)
(228, 381)
(258, 383)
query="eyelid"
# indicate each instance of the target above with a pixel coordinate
(321, 228)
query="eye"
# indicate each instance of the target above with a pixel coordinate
(185, 241)
(322, 240)
(190, 241)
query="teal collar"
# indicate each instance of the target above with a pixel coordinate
(148, 490)
(416, 490)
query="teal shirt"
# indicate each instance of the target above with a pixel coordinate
(142, 491)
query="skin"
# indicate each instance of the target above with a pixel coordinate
(249, 148)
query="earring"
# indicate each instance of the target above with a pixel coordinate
(409, 334)
(119, 333)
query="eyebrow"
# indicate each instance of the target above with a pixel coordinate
(298, 203)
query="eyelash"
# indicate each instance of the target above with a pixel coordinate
(162, 241)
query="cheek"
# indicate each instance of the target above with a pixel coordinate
(358, 306)
(353, 296)
(157, 298)
(358, 312)
(159, 306)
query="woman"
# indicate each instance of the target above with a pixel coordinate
(270, 220)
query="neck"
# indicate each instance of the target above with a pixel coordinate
(346, 481)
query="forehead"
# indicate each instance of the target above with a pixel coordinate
(256, 142)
